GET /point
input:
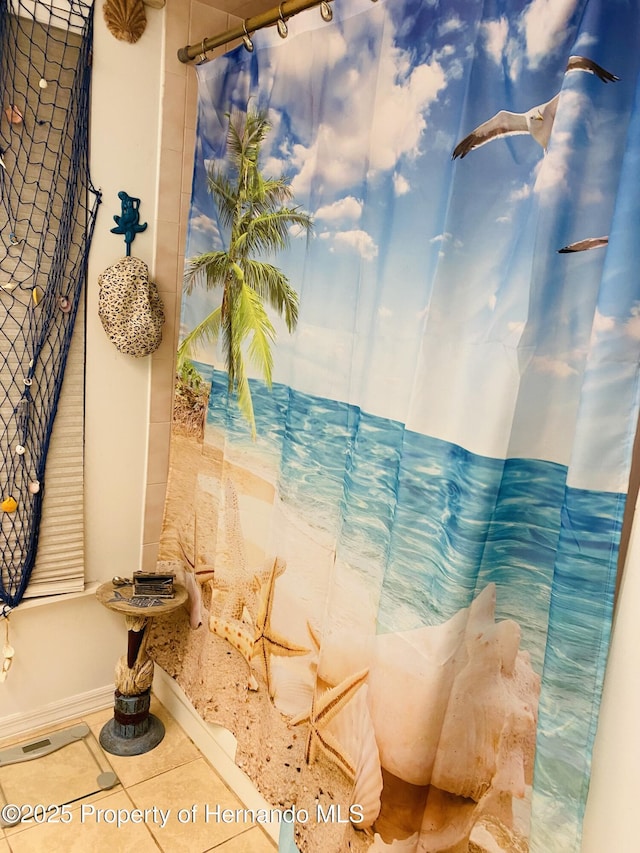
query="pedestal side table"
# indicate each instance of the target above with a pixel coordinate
(133, 730)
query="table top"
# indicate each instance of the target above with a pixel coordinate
(121, 599)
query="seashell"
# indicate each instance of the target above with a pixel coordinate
(13, 114)
(9, 504)
(7, 659)
(405, 845)
(34, 487)
(126, 19)
(353, 729)
(491, 834)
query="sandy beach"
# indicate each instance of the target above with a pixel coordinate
(214, 674)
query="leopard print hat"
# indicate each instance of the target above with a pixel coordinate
(130, 307)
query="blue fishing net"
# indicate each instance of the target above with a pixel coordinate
(47, 213)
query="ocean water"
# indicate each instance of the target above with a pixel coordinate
(431, 524)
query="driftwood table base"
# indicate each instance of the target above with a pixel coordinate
(133, 730)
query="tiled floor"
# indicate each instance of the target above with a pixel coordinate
(169, 799)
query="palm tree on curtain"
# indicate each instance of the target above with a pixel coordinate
(256, 214)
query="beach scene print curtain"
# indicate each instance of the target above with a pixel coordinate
(406, 398)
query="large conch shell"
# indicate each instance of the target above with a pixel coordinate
(126, 19)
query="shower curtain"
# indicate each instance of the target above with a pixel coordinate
(403, 582)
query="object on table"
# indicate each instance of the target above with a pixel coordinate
(153, 584)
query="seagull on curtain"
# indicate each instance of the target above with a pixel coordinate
(584, 245)
(538, 121)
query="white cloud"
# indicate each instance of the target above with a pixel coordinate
(455, 70)
(592, 196)
(553, 366)
(384, 114)
(444, 51)
(446, 237)
(544, 23)
(601, 325)
(520, 193)
(584, 40)
(495, 36)
(401, 185)
(399, 120)
(273, 167)
(632, 326)
(359, 240)
(204, 224)
(551, 172)
(297, 231)
(345, 208)
(452, 25)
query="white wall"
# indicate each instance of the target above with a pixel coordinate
(70, 647)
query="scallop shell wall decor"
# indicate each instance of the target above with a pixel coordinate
(126, 19)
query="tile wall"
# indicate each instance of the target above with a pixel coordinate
(185, 23)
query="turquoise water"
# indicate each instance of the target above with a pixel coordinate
(431, 524)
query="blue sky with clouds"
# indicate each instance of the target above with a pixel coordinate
(432, 291)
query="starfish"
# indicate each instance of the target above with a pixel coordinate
(238, 591)
(240, 587)
(204, 574)
(267, 641)
(324, 709)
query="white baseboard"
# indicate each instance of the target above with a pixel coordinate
(216, 743)
(57, 712)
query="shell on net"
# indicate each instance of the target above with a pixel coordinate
(126, 19)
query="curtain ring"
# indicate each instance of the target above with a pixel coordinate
(246, 38)
(326, 12)
(203, 52)
(281, 24)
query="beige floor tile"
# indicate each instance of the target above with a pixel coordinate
(174, 749)
(252, 841)
(4, 846)
(60, 777)
(69, 774)
(194, 786)
(88, 832)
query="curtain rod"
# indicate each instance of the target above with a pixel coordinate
(285, 10)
